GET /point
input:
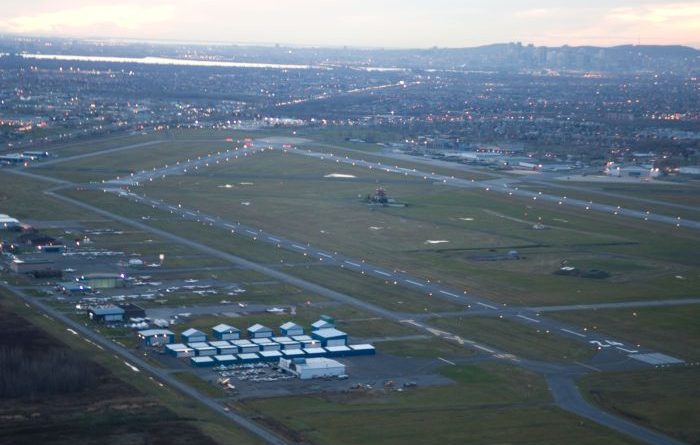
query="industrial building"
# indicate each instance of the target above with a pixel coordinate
(9, 223)
(106, 313)
(73, 287)
(104, 280)
(266, 344)
(330, 337)
(132, 311)
(306, 341)
(202, 349)
(245, 346)
(225, 332)
(202, 362)
(289, 329)
(193, 336)
(157, 337)
(259, 331)
(179, 350)
(224, 347)
(32, 265)
(325, 322)
(309, 368)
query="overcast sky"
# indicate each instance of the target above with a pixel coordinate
(364, 23)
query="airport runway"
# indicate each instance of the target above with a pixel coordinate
(566, 394)
(487, 186)
(395, 277)
(614, 354)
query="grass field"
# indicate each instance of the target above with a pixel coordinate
(107, 410)
(200, 385)
(301, 204)
(674, 330)
(487, 404)
(682, 193)
(353, 321)
(515, 338)
(666, 400)
(431, 348)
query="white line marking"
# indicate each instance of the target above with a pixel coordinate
(325, 255)
(528, 318)
(631, 351)
(447, 361)
(486, 305)
(352, 264)
(382, 273)
(230, 226)
(272, 238)
(415, 283)
(574, 333)
(298, 246)
(483, 348)
(449, 293)
(251, 232)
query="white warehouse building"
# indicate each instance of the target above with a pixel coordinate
(310, 368)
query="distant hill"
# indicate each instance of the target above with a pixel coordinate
(514, 57)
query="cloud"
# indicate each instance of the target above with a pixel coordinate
(89, 19)
(658, 14)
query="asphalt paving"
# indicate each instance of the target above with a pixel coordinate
(516, 314)
(565, 392)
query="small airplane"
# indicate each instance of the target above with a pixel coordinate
(275, 310)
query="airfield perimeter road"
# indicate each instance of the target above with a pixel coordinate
(98, 153)
(137, 365)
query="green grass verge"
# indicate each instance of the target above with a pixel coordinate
(515, 338)
(674, 329)
(663, 399)
(487, 404)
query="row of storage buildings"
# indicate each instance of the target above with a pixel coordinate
(202, 361)
(227, 346)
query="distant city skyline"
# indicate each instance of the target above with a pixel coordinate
(364, 23)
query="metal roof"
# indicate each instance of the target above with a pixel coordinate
(224, 328)
(107, 310)
(290, 325)
(329, 333)
(192, 332)
(257, 327)
(156, 332)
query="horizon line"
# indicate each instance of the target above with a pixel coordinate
(322, 46)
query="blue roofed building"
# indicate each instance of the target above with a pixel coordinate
(289, 328)
(226, 332)
(193, 336)
(330, 337)
(259, 331)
